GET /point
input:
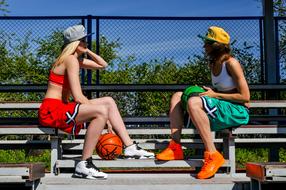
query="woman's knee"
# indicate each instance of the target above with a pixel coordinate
(194, 103)
(102, 113)
(109, 101)
(176, 97)
(105, 101)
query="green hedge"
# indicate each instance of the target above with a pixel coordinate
(22, 156)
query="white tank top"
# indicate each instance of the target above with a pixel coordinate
(223, 82)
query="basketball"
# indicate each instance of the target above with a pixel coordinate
(109, 146)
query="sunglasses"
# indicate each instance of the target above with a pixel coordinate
(83, 40)
(209, 42)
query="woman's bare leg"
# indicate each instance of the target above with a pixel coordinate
(176, 117)
(174, 150)
(201, 121)
(114, 118)
(93, 133)
(117, 123)
(98, 117)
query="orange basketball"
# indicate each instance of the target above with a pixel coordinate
(109, 146)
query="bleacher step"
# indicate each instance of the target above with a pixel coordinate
(148, 181)
(137, 163)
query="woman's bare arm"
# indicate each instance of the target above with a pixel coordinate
(72, 66)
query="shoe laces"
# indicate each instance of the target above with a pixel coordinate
(174, 146)
(208, 160)
(137, 146)
(89, 164)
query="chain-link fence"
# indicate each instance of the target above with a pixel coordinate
(130, 44)
(280, 25)
(163, 43)
(139, 50)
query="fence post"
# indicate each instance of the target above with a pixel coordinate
(97, 52)
(271, 67)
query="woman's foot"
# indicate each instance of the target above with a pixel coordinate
(86, 169)
(173, 152)
(134, 151)
(213, 161)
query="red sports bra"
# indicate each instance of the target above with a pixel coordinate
(60, 80)
(57, 79)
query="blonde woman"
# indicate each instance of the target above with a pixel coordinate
(69, 116)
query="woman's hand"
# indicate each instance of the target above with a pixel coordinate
(209, 92)
(109, 127)
(82, 49)
(94, 62)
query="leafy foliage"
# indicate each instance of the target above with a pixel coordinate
(22, 156)
(250, 63)
(244, 155)
(4, 7)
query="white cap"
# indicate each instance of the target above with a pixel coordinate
(74, 33)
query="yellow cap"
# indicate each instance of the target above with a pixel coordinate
(217, 34)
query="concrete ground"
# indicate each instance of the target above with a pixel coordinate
(145, 182)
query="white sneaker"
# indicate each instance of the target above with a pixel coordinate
(86, 169)
(134, 151)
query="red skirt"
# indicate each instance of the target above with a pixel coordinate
(57, 114)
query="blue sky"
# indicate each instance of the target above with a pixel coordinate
(135, 7)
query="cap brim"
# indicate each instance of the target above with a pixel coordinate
(205, 38)
(88, 35)
(202, 37)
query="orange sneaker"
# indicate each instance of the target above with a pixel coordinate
(173, 152)
(213, 161)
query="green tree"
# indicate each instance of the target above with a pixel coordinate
(250, 63)
(3, 7)
(280, 10)
(279, 7)
(49, 49)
